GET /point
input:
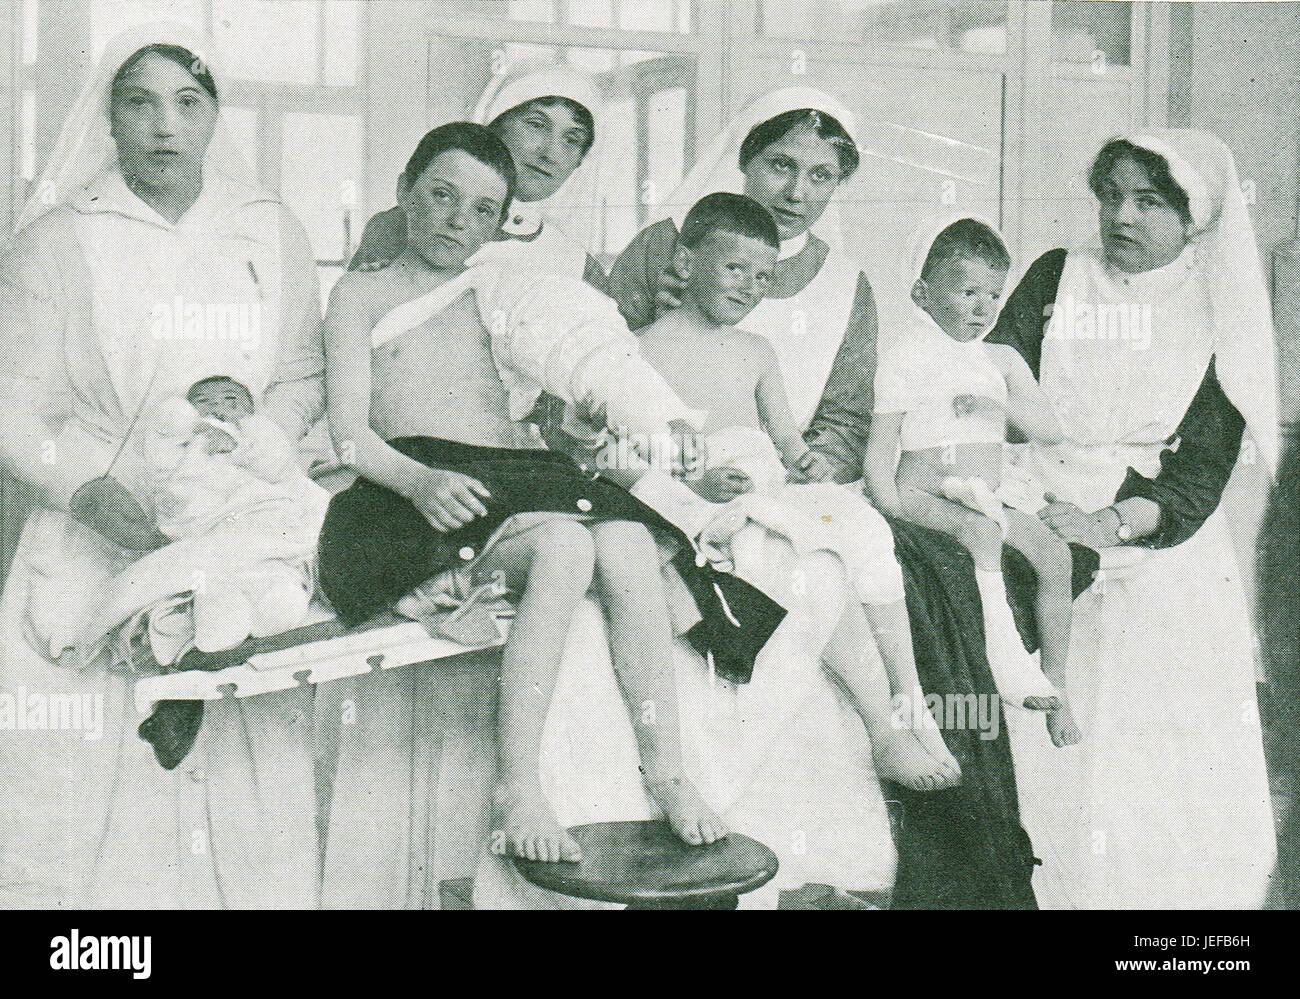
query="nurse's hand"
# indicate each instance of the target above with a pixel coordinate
(1071, 524)
(105, 506)
(721, 485)
(668, 295)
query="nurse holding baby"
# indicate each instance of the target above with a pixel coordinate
(144, 203)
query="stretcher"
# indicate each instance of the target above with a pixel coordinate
(318, 652)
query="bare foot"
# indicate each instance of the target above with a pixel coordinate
(531, 829)
(931, 739)
(694, 821)
(1061, 726)
(900, 757)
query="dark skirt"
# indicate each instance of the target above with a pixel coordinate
(964, 848)
(375, 546)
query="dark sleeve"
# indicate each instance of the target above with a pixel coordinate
(383, 239)
(1194, 468)
(594, 274)
(840, 426)
(1025, 314)
(633, 281)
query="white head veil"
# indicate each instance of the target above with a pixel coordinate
(573, 208)
(717, 168)
(1228, 256)
(85, 148)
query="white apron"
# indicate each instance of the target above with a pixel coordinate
(1165, 802)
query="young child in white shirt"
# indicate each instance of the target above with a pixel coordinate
(943, 400)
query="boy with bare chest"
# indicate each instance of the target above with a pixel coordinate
(423, 403)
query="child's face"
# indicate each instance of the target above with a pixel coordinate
(729, 275)
(452, 208)
(961, 296)
(224, 400)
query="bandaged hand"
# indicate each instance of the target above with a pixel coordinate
(967, 405)
(219, 441)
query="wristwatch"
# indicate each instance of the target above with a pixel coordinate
(1125, 530)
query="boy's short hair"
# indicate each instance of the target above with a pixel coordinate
(967, 239)
(726, 212)
(203, 383)
(476, 140)
(580, 114)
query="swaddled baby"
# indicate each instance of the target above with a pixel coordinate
(222, 473)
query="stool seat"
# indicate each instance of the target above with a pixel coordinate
(644, 865)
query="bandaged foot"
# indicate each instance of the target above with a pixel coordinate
(975, 494)
(899, 756)
(280, 598)
(223, 617)
(1020, 683)
(691, 819)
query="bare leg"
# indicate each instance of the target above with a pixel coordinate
(1051, 559)
(897, 749)
(893, 632)
(551, 564)
(1017, 680)
(849, 651)
(631, 590)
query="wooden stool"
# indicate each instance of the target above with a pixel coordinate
(645, 866)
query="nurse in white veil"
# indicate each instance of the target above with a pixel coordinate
(1165, 803)
(144, 203)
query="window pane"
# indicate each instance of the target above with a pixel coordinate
(532, 10)
(1097, 32)
(977, 26)
(266, 40)
(341, 37)
(31, 31)
(109, 18)
(591, 13)
(321, 175)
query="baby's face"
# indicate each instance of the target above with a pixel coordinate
(729, 276)
(225, 400)
(962, 297)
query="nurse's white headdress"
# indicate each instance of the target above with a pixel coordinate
(574, 207)
(85, 148)
(1245, 344)
(717, 168)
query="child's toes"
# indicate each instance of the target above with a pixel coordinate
(569, 850)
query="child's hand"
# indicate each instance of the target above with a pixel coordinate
(966, 405)
(690, 451)
(811, 466)
(448, 500)
(720, 485)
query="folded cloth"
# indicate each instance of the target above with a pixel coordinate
(375, 546)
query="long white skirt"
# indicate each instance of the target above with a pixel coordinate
(783, 759)
(87, 816)
(1165, 803)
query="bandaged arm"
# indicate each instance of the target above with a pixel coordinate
(562, 336)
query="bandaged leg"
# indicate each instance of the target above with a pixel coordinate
(223, 617)
(279, 595)
(1019, 682)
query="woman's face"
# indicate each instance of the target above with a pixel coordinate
(162, 121)
(452, 208)
(794, 178)
(1140, 229)
(547, 143)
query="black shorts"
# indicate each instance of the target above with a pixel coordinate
(375, 546)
